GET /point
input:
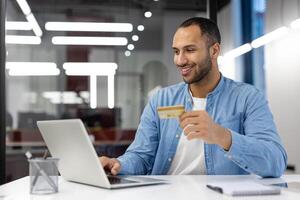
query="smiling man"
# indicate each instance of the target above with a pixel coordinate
(227, 127)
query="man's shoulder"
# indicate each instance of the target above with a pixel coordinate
(171, 94)
(240, 87)
(174, 88)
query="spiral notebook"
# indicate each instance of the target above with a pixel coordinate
(243, 188)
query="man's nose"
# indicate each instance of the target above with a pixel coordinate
(181, 60)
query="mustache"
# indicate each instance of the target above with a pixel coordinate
(185, 65)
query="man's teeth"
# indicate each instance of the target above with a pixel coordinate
(186, 69)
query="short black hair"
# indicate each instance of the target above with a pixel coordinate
(207, 27)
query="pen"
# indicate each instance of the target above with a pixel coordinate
(215, 188)
(29, 156)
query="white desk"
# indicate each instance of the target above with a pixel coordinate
(180, 187)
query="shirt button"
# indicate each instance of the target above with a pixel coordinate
(170, 159)
(177, 136)
(230, 157)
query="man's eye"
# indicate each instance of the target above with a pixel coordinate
(190, 50)
(176, 52)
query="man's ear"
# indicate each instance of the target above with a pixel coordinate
(214, 50)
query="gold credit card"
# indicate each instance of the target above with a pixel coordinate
(167, 112)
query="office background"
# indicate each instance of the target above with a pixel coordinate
(111, 103)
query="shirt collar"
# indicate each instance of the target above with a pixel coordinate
(219, 86)
(216, 90)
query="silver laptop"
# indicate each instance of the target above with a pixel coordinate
(68, 140)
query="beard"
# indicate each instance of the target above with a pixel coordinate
(206, 66)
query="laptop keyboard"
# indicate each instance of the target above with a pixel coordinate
(118, 180)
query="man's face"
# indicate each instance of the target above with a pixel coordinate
(191, 54)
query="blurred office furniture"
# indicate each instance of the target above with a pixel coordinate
(100, 117)
(28, 119)
(103, 126)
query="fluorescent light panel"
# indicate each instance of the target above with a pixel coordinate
(20, 65)
(30, 18)
(20, 39)
(238, 51)
(93, 92)
(24, 7)
(89, 69)
(111, 91)
(89, 26)
(295, 24)
(276, 34)
(34, 72)
(67, 97)
(35, 26)
(105, 41)
(32, 69)
(16, 25)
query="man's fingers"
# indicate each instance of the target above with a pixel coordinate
(194, 135)
(189, 121)
(110, 164)
(190, 128)
(190, 114)
(104, 161)
(116, 167)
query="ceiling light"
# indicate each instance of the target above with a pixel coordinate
(15, 25)
(140, 28)
(34, 72)
(135, 38)
(32, 69)
(130, 47)
(93, 70)
(21, 65)
(24, 7)
(19, 39)
(295, 24)
(35, 26)
(93, 92)
(89, 69)
(111, 91)
(85, 95)
(88, 26)
(238, 51)
(265, 39)
(127, 53)
(68, 97)
(106, 41)
(148, 14)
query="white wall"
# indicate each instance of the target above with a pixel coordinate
(282, 75)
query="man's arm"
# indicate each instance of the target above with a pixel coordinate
(259, 151)
(140, 155)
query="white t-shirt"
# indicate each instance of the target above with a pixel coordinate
(189, 157)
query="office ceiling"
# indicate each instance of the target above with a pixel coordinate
(56, 6)
(115, 11)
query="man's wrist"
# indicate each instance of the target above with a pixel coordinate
(225, 138)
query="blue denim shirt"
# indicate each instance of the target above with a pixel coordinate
(256, 147)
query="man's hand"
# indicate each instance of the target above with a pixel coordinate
(111, 165)
(199, 125)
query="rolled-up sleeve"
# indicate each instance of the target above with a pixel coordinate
(259, 149)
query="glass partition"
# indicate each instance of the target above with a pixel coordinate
(99, 61)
